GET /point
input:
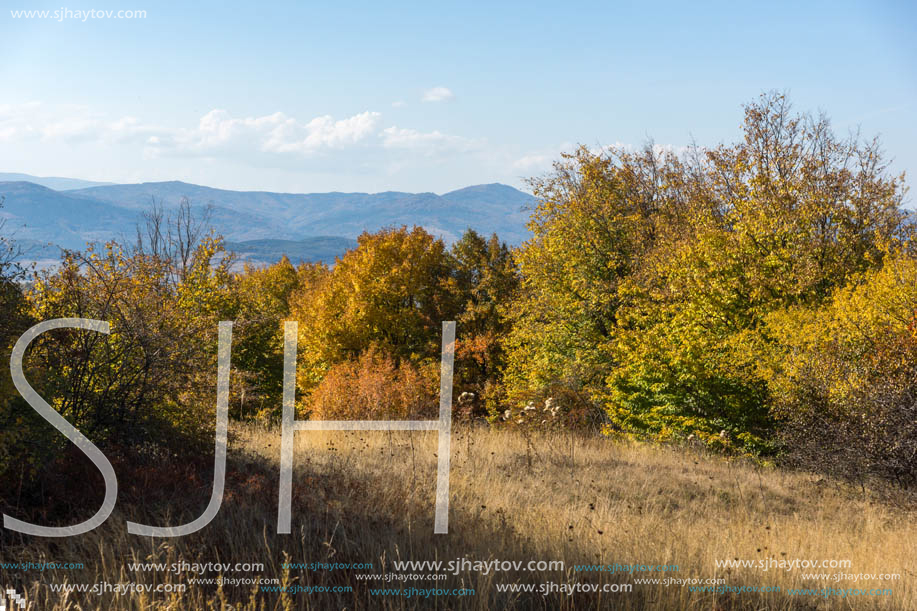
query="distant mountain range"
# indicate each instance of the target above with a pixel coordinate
(59, 184)
(51, 213)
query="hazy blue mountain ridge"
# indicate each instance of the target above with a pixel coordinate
(259, 222)
(52, 182)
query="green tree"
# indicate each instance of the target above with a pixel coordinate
(486, 280)
(782, 218)
(597, 216)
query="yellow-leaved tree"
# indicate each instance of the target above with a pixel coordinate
(390, 294)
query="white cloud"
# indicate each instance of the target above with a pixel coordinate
(219, 132)
(16, 121)
(533, 163)
(438, 94)
(398, 104)
(427, 143)
(65, 123)
(216, 132)
(218, 140)
(71, 129)
(541, 160)
(325, 131)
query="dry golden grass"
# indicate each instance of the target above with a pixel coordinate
(368, 497)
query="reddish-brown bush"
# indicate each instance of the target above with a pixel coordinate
(376, 387)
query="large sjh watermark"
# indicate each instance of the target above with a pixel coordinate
(289, 427)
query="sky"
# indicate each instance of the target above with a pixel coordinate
(432, 96)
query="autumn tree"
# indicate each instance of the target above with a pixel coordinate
(844, 376)
(152, 378)
(486, 279)
(261, 299)
(597, 216)
(392, 291)
(649, 277)
(783, 218)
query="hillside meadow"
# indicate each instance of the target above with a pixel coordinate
(367, 497)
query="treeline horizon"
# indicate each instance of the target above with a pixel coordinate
(758, 299)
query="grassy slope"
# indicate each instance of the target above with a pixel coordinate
(368, 497)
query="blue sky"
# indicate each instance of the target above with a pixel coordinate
(427, 96)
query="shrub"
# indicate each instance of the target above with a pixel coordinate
(152, 378)
(376, 387)
(844, 378)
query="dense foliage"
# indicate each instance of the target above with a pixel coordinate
(756, 298)
(651, 278)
